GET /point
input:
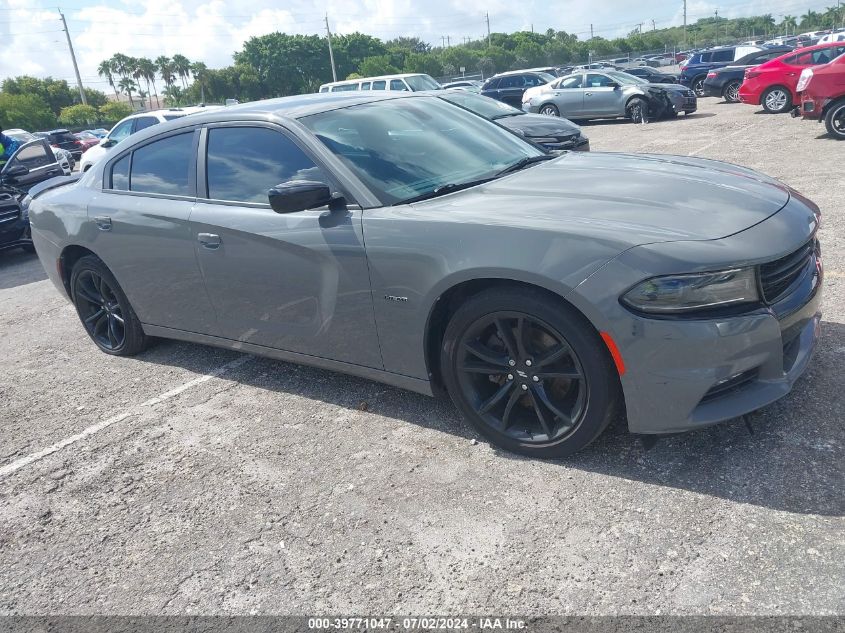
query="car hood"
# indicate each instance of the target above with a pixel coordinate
(668, 87)
(625, 199)
(538, 125)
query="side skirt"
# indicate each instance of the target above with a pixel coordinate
(386, 377)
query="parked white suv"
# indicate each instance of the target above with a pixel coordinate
(131, 124)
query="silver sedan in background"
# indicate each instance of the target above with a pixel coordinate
(405, 239)
(608, 94)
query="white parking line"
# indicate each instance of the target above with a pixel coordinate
(16, 465)
(721, 139)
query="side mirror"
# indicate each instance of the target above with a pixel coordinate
(613, 85)
(299, 195)
(108, 142)
(14, 172)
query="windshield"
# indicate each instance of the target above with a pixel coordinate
(419, 83)
(23, 137)
(546, 77)
(482, 106)
(404, 148)
(624, 79)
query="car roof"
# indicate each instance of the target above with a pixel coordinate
(527, 71)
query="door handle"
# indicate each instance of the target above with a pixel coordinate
(103, 222)
(209, 240)
(53, 172)
(588, 94)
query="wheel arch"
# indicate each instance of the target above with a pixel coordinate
(452, 297)
(833, 103)
(67, 260)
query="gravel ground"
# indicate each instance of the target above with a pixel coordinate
(220, 483)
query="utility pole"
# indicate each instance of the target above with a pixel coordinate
(73, 59)
(716, 12)
(331, 52)
(487, 15)
(685, 23)
(592, 35)
(653, 26)
(449, 41)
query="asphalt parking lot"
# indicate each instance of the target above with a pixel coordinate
(196, 480)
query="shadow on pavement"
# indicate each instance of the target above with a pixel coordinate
(18, 268)
(791, 460)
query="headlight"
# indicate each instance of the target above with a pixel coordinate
(804, 80)
(685, 293)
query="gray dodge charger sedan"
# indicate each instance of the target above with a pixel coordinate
(407, 240)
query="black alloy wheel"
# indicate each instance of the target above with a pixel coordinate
(528, 372)
(732, 92)
(100, 311)
(104, 310)
(835, 120)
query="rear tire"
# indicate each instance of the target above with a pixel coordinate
(104, 310)
(557, 395)
(697, 86)
(549, 109)
(834, 121)
(776, 100)
(731, 92)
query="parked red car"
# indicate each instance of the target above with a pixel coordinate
(773, 84)
(822, 91)
(86, 140)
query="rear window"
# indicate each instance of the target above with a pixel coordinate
(422, 82)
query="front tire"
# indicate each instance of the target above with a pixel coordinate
(776, 100)
(637, 109)
(550, 109)
(528, 372)
(731, 92)
(834, 121)
(104, 310)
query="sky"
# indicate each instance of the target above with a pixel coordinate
(210, 31)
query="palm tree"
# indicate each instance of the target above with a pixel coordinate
(182, 66)
(127, 85)
(200, 72)
(165, 69)
(138, 74)
(811, 18)
(106, 69)
(148, 72)
(789, 21)
(172, 95)
(121, 64)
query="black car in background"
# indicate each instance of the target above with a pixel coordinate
(725, 82)
(651, 75)
(32, 163)
(65, 140)
(508, 87)
(553, 133)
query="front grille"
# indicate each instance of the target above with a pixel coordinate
(9, 208)
(776, 277)
(689, 93)
(731, 386)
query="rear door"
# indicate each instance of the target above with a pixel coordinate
(139, 228)
(568, 96)
(39, 161)
(296, 281)
(511, 88)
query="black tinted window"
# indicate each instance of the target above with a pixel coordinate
(491, 84)
(34, 156)
(120, 174)
(723, 56)
(243, 163)
(162, 166)
(144, 122)
(512, 81)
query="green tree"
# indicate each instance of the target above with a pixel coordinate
(379, 65)
(114, 111)
(182, 68)
(78, 115)
(106, 70)
(26, 111)
(127, 85)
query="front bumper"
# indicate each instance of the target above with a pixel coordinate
(15, 234)
(577, 144)
(683, 374)
(812, 108)
(683, 103)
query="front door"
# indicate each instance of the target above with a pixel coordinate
(138, 225)
(35, 161)
(569, 96)
(601, 99)
(297, 281)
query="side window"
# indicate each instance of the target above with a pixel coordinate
(144, 122)
(397, 84)
(531, 81)
(491, 84)
(121, 131)
(162, 166)
(791, 60)
(723, 56)
(705, 57)
(242, 163)
(34, 156)
(120, 174)
(365, 85)
(597, 81)
(379, 85)
(571, 82)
